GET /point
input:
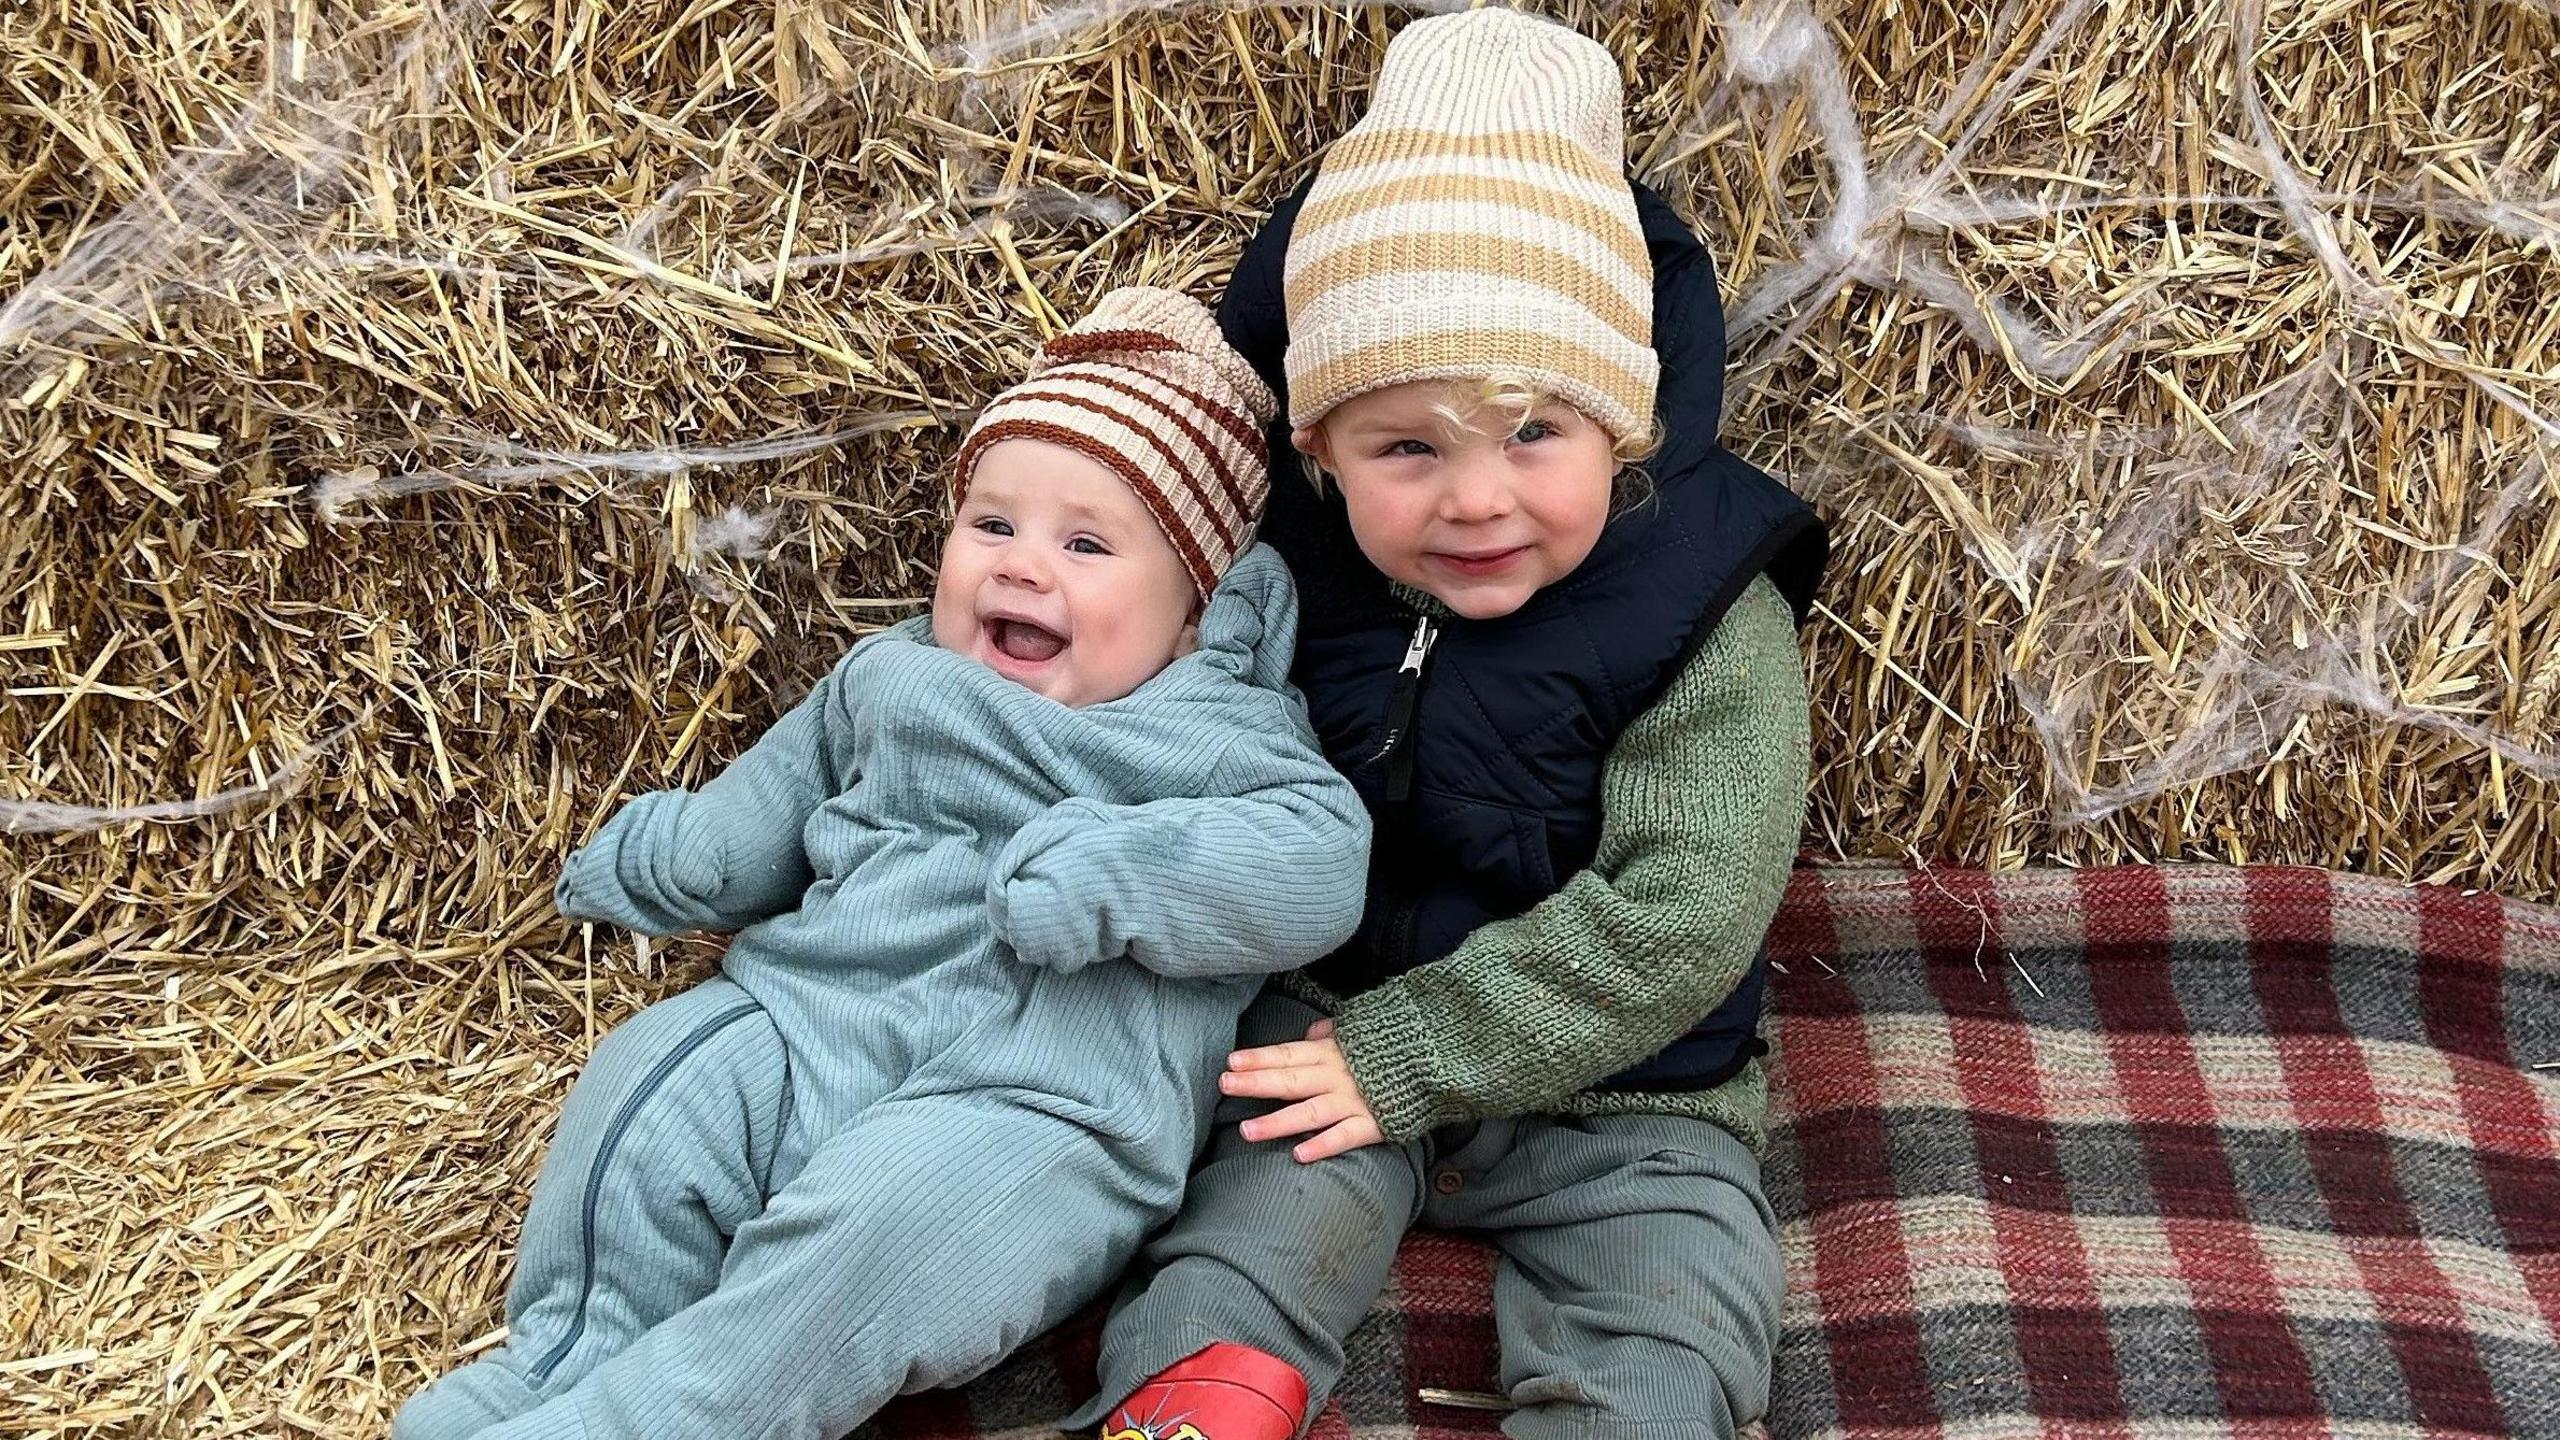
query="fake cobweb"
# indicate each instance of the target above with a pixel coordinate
(2217, 492)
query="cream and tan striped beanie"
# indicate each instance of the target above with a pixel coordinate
(1146, 385)
(1477, 221)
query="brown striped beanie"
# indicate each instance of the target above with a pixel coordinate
(1477, 222)
(1146, 385)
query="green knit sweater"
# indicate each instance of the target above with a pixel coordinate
(1702, 803)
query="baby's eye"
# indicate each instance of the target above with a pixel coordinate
(1409, 447)
(992, 526)
(1531, 431)
(1087, 545)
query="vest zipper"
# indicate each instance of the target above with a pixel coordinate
(1397, 747)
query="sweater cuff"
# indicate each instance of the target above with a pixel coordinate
(1382, 1036)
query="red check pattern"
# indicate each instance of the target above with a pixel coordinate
(2134, 1154)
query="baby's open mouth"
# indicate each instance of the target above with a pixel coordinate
(1021, 640)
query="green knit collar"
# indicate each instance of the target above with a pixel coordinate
(1421, 602)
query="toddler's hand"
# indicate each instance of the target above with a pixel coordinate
(1313, 1073)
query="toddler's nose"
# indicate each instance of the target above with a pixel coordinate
(1475, 495)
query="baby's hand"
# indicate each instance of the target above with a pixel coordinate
(1313, 1073)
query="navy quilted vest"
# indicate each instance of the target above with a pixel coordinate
(1479, 745)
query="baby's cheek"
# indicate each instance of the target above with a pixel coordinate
(1105, 669)
(948, 630)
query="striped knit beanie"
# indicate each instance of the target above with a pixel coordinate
(1477, 222)
(1146, 385)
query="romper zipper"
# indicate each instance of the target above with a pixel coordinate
(1396, 749)
(623, 1116)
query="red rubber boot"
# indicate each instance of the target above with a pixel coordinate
(1226, 1392)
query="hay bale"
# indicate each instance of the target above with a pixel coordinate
(431, 423)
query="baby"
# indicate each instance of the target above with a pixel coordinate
(1003, 884)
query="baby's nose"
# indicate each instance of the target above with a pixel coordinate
(1023, 565)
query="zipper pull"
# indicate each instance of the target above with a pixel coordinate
(1397, 746)
(1418, 649)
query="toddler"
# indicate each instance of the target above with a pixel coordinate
(1572, 699)
(1002, 885)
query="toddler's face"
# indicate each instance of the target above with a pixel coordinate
(1482, 514)
(1055, 576)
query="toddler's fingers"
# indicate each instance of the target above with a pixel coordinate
(1298, 1119)
(1351, 1134)
(1275, 1057)
(1294, 1084)
(1321, 1030)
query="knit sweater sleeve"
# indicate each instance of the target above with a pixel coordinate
(722, 857)
(1703, 801)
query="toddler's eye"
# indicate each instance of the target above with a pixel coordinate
(1531, 431)
(1409, 447)
(992, 526)
(1087, 545)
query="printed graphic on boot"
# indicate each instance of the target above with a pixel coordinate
(1154, 1430)
(1158, 1425)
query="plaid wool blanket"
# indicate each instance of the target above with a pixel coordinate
(2180, 1152)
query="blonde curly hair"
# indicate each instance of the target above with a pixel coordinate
(1515, 399)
